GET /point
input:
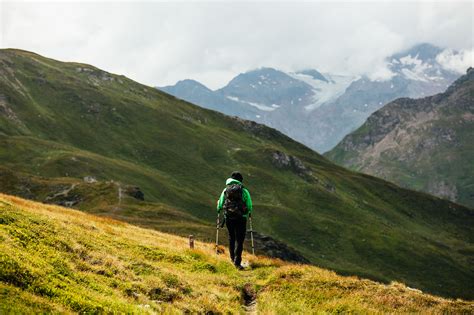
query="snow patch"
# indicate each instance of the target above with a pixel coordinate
(325, 91)
(415, 69)
(257, 105)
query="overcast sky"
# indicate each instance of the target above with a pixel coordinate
(159, 43)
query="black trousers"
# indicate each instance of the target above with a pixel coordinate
(237, 230)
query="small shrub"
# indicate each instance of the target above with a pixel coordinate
(196, 255)
(186, 290)
(45, 289)
(292, 274)
(204, 266)
(175, 259)
(171, 280)
(102, 272)
(82, 305)
(82, 266)
(114, 283)
(11, 272)
(6, 219)
(142, 268)
(61, 267)
(152, 254)
(162, 294)
(340, 309)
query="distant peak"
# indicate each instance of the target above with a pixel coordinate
(424, 51)
(190, 83)
(263, 70)
(262, 74)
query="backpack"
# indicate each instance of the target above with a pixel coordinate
(233, 202)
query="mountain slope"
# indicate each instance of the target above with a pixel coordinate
(196, 93)
(54, 259)
(69, 120)
(423, 144)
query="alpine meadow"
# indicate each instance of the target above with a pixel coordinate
(142, 163)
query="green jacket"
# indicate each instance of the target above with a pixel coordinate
(245, 196)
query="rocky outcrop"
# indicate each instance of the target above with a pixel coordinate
(7, 111)
(283, 160)
(443, 189)
(257, 129)
(90, 179)
(66, 196)
(135, 192)
(273, 248)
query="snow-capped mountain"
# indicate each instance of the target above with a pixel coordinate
(414, 73)
(319, 109)
(267, 89)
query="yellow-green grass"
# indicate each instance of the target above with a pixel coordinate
(54, 259)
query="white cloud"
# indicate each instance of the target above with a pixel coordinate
(160, 43)
(458, 62)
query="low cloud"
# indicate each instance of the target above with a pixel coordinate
(456, 61)
(159, 43)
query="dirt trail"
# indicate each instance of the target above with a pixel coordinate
(64, 192)
(249, 299)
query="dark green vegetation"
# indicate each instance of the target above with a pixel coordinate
(424, 144)
(63, 121)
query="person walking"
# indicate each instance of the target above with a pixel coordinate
(237, 205)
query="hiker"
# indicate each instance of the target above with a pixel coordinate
(237, 205)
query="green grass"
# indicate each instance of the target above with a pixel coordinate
(74, 124)
(58, 260)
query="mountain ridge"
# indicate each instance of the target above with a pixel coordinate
(421, 144)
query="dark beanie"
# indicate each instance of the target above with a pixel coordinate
(236, 175)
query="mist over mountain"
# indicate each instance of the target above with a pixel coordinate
(319, 109)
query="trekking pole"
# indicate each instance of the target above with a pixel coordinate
(251, 234)
(217, 235)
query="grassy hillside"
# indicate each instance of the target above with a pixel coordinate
(423, 144)
(54, 259)
(61, 121)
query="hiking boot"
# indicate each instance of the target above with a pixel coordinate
(239, 267)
